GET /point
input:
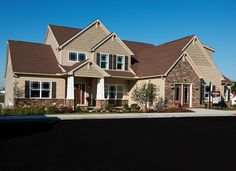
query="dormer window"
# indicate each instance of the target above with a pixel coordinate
(77, 56)
(120, 62)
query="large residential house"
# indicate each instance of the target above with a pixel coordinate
(94, 67)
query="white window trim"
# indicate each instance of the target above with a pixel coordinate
(77, 55)
(116, 85)
(123, 60)
(40, 90)
(107, 60)
(206, 99)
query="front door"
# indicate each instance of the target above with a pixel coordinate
(182, 94)
(80, 94)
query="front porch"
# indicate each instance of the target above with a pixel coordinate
(96, 92)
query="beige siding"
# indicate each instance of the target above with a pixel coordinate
(59, 81)
(159, 82)
(51, 40)
(88, 70)
(205, 67)
(9, 82)
(209, 52)
(113, 47)
(83, 43)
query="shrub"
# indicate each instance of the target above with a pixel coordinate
(52, 109)
(2, 98)
(110, 107)
(126, 106)
(66, 109)
(160, 105)
(234, 106)
(78, 108)
(134, 106)
(172, 107)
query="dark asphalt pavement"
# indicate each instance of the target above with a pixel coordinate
(122, 144)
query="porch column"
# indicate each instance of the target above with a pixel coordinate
(70, 88)
(100, 89)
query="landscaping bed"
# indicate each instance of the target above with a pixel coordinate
(59, 109)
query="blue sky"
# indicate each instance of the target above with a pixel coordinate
(159, 21)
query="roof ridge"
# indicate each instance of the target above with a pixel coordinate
(36, 43)
(138, 42)
(176, 40)
(64, 26)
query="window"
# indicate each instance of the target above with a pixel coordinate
(76, 57)
(81, 56)
(206, 92)
(73, 56)
(120, 62)
(114, 91)
(40, 89)
(177, 92)
(104, 61)
(120, 91)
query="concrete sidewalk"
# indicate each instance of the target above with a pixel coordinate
(196, 113)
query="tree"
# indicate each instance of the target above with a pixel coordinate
(145, 95)
(233, 88)
(18, 91)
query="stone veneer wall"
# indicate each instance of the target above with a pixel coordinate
(39, 102)
(183, 71)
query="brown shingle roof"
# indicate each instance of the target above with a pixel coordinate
(62, 34)
(227, 80)
(33, 58)
(156, 60)
(127, 74)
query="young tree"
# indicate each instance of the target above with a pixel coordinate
(145, 94)
(18, 91)
(233, 88)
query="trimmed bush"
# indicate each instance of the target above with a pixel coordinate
(126, 106)
(110, 107)
(134, 106)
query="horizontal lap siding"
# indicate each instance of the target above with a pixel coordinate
(159, 82)
(84, 43)
(60, 84)
(113, 47)
(205, 67)
(50, 40)
(91, 71)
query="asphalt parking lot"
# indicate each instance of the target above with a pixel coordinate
(206, 143)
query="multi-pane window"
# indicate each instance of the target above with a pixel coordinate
(114, 91)
(120, 62)
(73, 56)
(206, 92)
(76, 57)
(104, 61)
(40, 89)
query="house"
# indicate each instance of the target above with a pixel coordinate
(93, 67)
